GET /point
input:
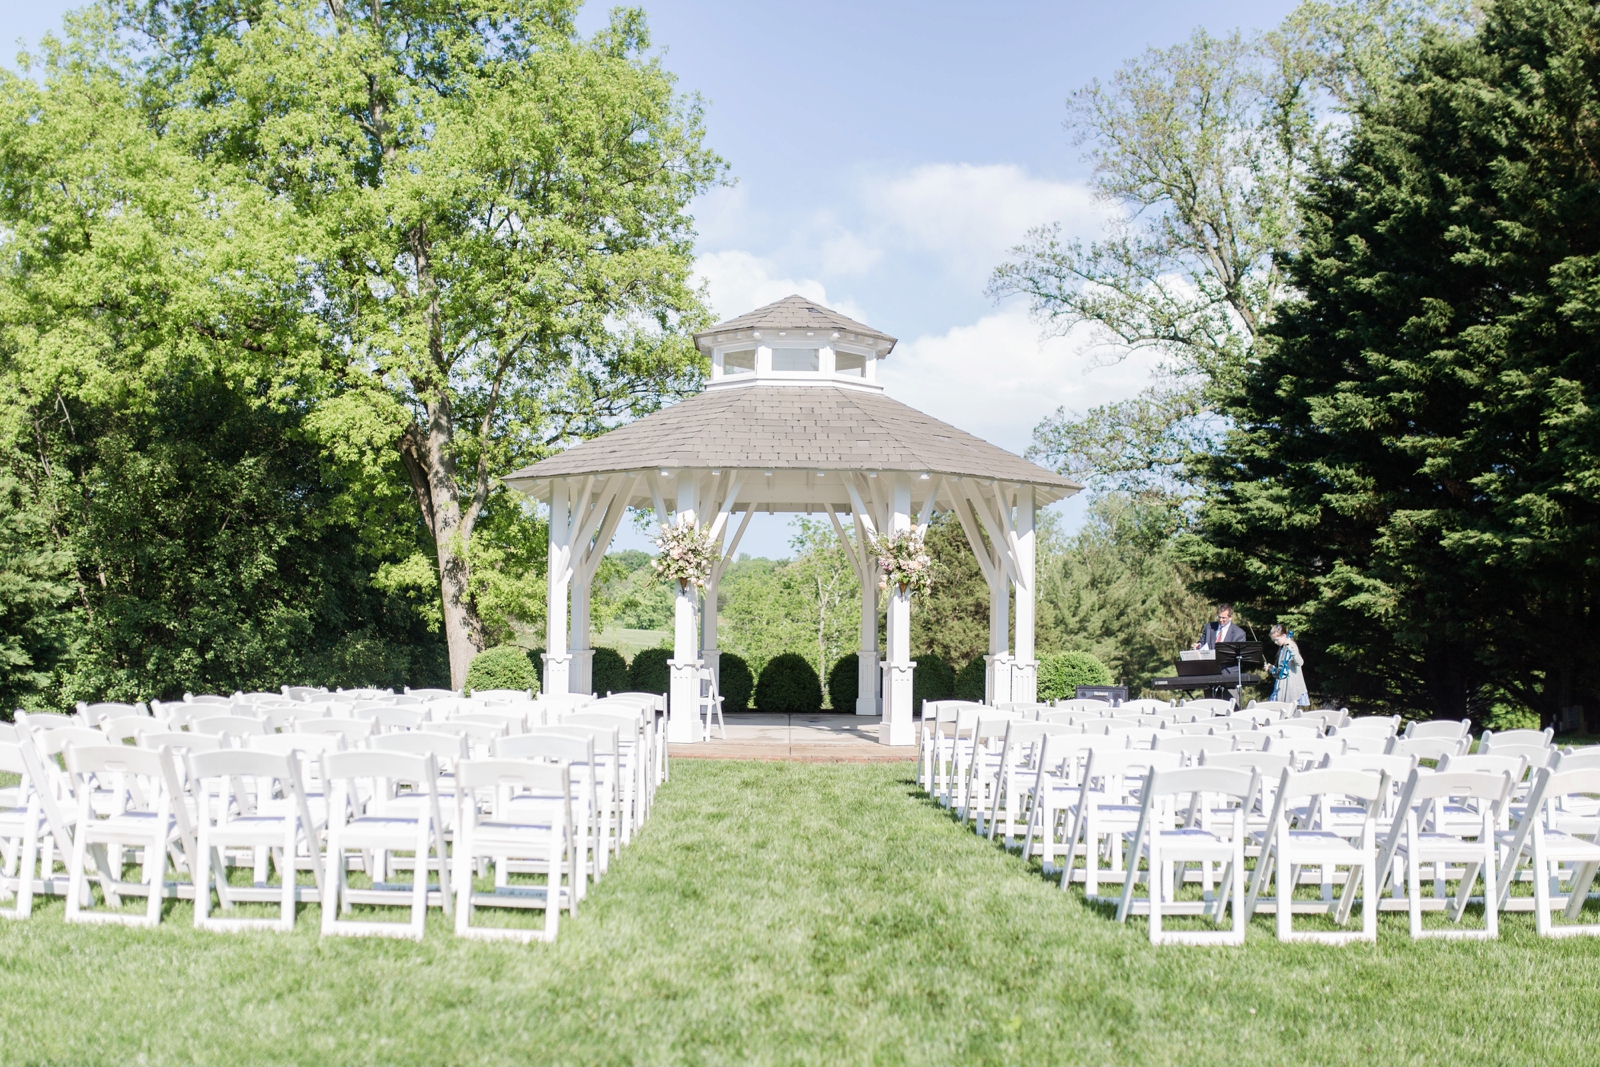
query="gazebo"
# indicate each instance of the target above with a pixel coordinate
(794, 420)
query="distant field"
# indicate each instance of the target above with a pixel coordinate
(631, 642)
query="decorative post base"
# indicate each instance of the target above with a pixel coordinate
(997, 679)
(580, 675)
(1025, 680)
(557, 673)
(683, 705)
(899, 725)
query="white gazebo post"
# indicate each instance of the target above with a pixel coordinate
(710, 655)
(869, 673)
(683, 706)
(997, 664)
(557, 661)
(1024, 668)
(864, 561)
(898, 726)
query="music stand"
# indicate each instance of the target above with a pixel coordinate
(1234, 656)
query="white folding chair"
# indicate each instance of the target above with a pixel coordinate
(575, 750)
(1560, 845)
(22, 829)
(1019, 768)
(232, 789)
(95, 714)
(537, 830)
(1192, 815)
(1411, 844)
(631, 762)
(1108, 810)
(1439, 728)
(1289, 846)
(378, 829)
(605, 771)
(232, 727)
(1492, 740)
(1433, 747)
(139, 818)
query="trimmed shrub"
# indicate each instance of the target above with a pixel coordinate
(844, 683)
(789, 683)
(649, 672)
(737, 683)
(609, 672)
(504, 667)
(970, 680)
(933, 679)
(1060, 674)
(537, 655)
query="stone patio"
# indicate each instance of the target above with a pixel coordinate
(821, 738)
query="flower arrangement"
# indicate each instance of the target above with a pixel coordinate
(687, 554)
(904, 561)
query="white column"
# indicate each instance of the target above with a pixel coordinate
(899, 725)
(581, 673)
(557, 662)
(709, 653)
(997, 664)
(867, 700)
(1025, 669)
(683, 707)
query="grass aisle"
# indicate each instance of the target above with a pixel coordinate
(794, 913)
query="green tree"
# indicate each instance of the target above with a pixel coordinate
(490, 211)
(1120, 590)
(1411, 481)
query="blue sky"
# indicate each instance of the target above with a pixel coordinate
(885, 156)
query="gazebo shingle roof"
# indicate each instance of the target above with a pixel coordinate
(791, 313)
(790, 427)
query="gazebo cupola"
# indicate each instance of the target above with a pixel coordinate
(794, 420)
(794, 342)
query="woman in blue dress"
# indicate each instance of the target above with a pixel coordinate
(1289, 683)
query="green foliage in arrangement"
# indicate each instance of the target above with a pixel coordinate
(971, 679)
(934, 679)
(1060, 674)
(789, 683)
(649, 672)
(609, 671)
(844, 682)
(502, 667)
(735, 682)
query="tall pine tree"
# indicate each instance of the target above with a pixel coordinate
(1413, 473)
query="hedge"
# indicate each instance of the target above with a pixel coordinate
(736, 683)
(649, 672)
(503, 667)
(609, 672)
(844, 683)
(972, 679)
(933, 679)
(1060, 674)
(789, 683)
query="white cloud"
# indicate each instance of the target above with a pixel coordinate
(997, 378)
(739, 282)
(971, 215)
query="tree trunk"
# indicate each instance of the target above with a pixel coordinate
(429, 456)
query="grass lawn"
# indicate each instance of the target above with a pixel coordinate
(786, 912)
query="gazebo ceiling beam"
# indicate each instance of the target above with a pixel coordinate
(1002, 545)
(980, 551)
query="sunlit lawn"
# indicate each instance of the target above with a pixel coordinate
(785, 912)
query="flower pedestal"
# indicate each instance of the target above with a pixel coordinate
(899, 726)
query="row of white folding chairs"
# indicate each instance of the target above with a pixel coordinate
(106, 805)
(1431, 818)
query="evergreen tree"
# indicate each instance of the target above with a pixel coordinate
(1413, 475)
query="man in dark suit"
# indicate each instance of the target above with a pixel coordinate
(1221, 630)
